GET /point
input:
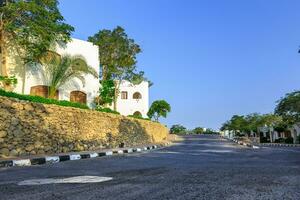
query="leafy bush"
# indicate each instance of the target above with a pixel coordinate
(289, 140)
(279, 140)
(159, 108)
(8, 80)
(38, 99)
(198, 130)
(178, 129)
(264, 140)
(107, 110)
(139, 117)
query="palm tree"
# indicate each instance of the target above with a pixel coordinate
(58, 70)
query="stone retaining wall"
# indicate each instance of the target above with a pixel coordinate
(31, 128)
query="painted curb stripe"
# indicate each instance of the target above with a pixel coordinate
(64, 158)
(8, 163)
(25, 162)
(37, 161)
(56, 159)
(120, 151)
(52, 159)
(128, 150)
(102, 154)
(75, 157)
(85, 156)
(94, 155)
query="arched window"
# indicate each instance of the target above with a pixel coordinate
(137, 95)
(78, 96)
(137, 114)
(42, 91)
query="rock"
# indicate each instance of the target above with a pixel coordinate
(13, 152)
(4, 151)
(1, 140)
(29, 148)
(28, 107)
(3, 134)
(14, 121)
(40, 152)
(38, 144)
(17, 132)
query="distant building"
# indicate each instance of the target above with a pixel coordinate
(133, 99)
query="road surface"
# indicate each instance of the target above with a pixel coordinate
(200, 167)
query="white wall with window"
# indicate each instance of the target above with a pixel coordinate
(133, 99)
(35, 76)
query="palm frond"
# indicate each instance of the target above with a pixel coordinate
(67, 67)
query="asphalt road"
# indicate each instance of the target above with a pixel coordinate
(201, 167)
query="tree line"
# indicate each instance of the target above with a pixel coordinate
(180, 129)
(285, 115)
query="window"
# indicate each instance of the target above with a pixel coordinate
(78, 96)
(137, 95)
(42, 91)
(124, 95)
(137, 114)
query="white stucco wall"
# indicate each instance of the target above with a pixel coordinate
(34, 77)
(129, 106)
(75, 47)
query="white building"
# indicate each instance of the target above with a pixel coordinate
(132, 98)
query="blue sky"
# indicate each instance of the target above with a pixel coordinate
(210, 59)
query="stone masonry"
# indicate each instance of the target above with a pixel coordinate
(32, 128)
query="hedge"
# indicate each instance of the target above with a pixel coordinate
(38, 99)
(138, 117)
(107, 110)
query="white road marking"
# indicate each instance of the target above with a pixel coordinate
(76, 179)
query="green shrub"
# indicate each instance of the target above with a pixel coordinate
(289, 140)
(264, 140)
(38, 99)
(279, 140)
(107, 110)
(139, 117)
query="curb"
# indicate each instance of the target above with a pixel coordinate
(73, 156)
(243, 143)
(278, 145)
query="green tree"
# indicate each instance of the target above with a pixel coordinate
(60, 70)
(117, 54)
(29, 28)
(159, 108)
(198, 130)
(288, 107)
(177, 129)
(107, 92)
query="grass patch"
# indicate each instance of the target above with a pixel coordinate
(138, 117)
(43, 100)
(107, 110)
